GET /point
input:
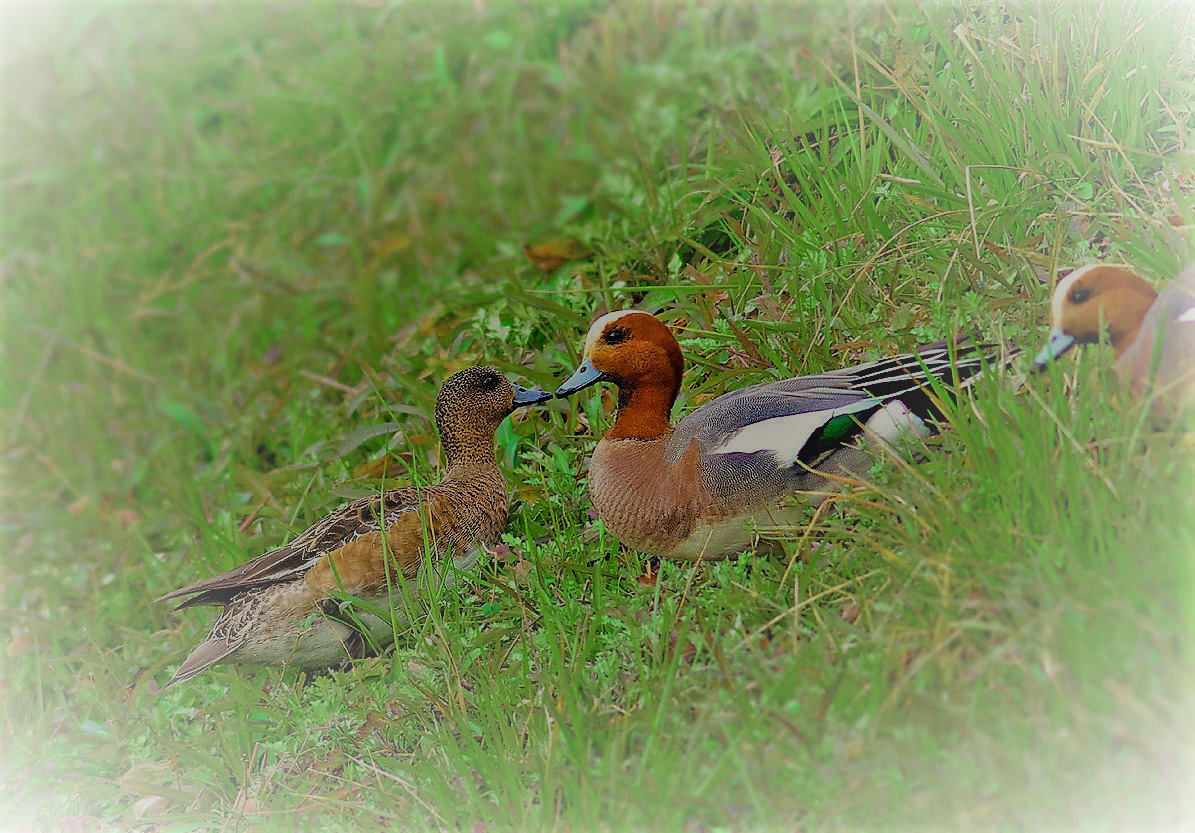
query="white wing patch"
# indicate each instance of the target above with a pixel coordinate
(784, 436)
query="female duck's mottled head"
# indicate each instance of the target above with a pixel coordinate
(472, 403)
(1091, 298)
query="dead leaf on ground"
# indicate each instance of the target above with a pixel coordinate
(331, 763)
(714, 295)
(20, 645)
(151, 805)
(529, 493)
(379, 467)
(391, 244)
(687, 650)
(609, 399)
(649, 575)
(125, 518)
(246, 806)
(752, 356)
(374, 721)
(552, 254)
(851, 612)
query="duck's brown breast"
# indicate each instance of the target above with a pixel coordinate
(647, 503)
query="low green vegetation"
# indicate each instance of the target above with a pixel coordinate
(242, 244)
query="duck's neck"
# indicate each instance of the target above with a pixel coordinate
(644, 411)
(1126, 315)
(468, 451)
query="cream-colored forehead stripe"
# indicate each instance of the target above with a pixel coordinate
(598, 327)
(1064, 286)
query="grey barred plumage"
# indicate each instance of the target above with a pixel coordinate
(695, 490)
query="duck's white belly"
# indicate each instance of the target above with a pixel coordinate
(718, 540)
(315, 642)
(309, 638)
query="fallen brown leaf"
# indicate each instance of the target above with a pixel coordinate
(373, 721)
(687, 651)
(151, 805)
(552, 254)
(650, 573)
(378, 468)
(125, 517)
(390, 245)
(21, 645)
(529, 493)
(246, 806)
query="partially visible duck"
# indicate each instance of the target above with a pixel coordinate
(698, 490)
(1143, 327)
(286, 607)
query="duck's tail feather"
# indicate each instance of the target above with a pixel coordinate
(911, 376)
(211, 651)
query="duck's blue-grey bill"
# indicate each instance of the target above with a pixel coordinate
(530, 396)
(582, 377)
(1058, 344)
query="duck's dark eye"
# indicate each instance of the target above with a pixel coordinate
(1078, 295)
(489, 381)
(616, 335)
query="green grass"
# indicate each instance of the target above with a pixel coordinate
(236, 240)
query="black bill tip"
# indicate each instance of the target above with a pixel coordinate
(1058, 344)
(530, 396)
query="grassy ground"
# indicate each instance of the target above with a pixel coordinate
(242, 244)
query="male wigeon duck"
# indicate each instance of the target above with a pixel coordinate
(286, 607)
(1152, 335)
(699, 489)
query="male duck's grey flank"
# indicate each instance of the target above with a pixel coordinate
(699, 490)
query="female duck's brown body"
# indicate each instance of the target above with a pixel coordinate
(287, 607)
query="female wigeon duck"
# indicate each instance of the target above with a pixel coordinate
(698, 490)
(1152, 335)
(285, 607)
